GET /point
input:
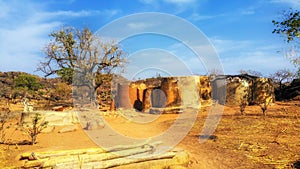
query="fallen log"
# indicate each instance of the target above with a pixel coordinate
(86, 158)
(164, 160)
(48, 154)
(119, 156)
(41, 155)
(126, 161)
(180, 160)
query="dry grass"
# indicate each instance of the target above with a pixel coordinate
(272, 140)
(240, 141)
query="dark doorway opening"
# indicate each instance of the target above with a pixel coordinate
(158, 98)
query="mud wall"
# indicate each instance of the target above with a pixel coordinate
(254, 90)
(192, 91)
(205, 90)
(238, 89)
(263, 90)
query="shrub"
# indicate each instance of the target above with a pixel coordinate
(4, 117)
(35, 128)
(264, 106)
(27, 82)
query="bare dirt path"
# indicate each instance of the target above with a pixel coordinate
(249, 141)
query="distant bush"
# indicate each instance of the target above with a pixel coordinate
(5, 91)
(27, 82)
(19, 93)
(66, 74)
(61, 91)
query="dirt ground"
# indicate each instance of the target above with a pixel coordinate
(239, 141)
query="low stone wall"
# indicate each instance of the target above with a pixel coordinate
(54, 118)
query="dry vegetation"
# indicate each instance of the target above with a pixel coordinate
(251, 141)
(248, 141)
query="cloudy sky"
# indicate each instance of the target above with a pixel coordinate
(240, 31)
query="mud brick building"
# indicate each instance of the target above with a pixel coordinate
(174, 93)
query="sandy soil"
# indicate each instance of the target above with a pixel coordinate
(240, 141)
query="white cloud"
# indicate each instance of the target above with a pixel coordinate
(225, 45)
(24, 30)
(261, 61)
(180, 1)
(198, 17)
(172, 6)
(148, 1)
(151, 61)
(293, 3)
(139, 25)
(245, 54)
(82, 13)
(207, 58)
(22, 46)
(22, 37)
(248, 12)
(4, 10)
(183, 5)
(64, 2)
(177, 2)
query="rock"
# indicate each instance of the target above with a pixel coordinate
(49, 129)
(94, 124)
(182, 158)
(58, 108)
(68, 129)
(156, 110)
(177, 167)
(209, 137)
(28, 107)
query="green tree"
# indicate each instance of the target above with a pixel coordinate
(289, 27)
(66, 74)
(28, 82)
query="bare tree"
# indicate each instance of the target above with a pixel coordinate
(281, 76)
(214, 73)
(251, 72)
(79, 57)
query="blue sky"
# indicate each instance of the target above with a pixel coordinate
(239, 30)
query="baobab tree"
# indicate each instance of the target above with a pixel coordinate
(81, 58)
